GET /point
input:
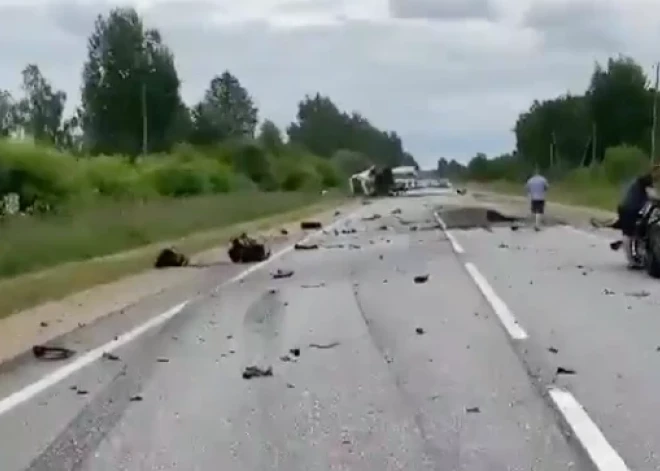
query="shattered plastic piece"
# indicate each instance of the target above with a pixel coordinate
(284, 232)
(503, 246)
(110, 356)
(608, 292)
(295, 352)
(163, 360)
(136, 398)
(373, 217)
(306, 246)
(282, 274)
(419, 331)
(171, 257)
(256, 372)
(565, 371)
(421, 278)
(324, 346)
(553, 350)
(472, 410)
(44, 352)
(308, 225)
(82, 392)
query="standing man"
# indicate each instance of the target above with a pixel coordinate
(536, 187)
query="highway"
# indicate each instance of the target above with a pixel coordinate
(395, 345)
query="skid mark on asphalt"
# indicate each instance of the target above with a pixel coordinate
(587, 434)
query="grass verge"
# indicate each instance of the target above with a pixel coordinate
(597, 196)
(95, 247)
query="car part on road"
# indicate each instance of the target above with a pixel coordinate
(257, 372)
(170, 258)
(295, 352)
(244, 249)
(565, 371)
(310, 225)
(306, 246)
(110, 356)
(421, 279)
(282, 274)
(473, 410)
(324, 346)
(44, 352)
(373, 217)
(420, 331)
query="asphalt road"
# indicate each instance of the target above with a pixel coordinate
(454, 373)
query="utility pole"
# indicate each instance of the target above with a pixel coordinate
(654, 130)
(145, 136)
(593, 143)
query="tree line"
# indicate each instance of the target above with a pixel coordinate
(606, 129)
(130, 106)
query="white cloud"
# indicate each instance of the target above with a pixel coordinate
(449, 76)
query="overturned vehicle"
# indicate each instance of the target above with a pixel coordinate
(373, 182)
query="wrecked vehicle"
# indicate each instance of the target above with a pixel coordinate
(245, 249)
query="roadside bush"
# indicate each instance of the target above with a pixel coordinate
(623, 163)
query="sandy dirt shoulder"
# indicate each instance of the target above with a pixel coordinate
(46, 322)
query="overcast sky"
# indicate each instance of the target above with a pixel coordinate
(450, 76)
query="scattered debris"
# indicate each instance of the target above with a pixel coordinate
(286, 358)
(608, 292)
(171, 257)
(309, 225)
(373, 217)
(380, 257)
(295, 352)
(553, 350)
(256, 372)
(420, 331)
(334, 246)
(163, 360)
(639, 294)
(110, 356)
(324, 346)
(44, 352)
(290, 386)
(337, 213)
(472, 410)
(461, 191)
(319, 285)
(421, 279)
(229, 337)
(503, 246)
(136, 398)
(515, 227)
(279, 273)
(396, 211)
(616, 245)
(284, 232)
(306, 246)
(564, 371)
(82, 392)
(43, 324)
(353, 246)
(350, 230)
(244, 249)
(384, 227)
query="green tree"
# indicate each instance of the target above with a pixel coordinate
(270, 137)
(8, 118)
(227, 111)
(39, 113)
(129, 79)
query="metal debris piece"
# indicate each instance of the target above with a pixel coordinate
(279, 273)
(421, 279)
(420, 331)
(110, 356)
(565, 371)
(82, 392)
(309, 225)
(324, 346)
(245, 249)
(608, 292)
(384, 227)
(373, 217)
(43, 324)
(136, 398)
(295, 352)
(256, 372)
(503, 246)
(553, 350)
(163, 360)
(284, 232)
(44, 352)
(306, 246)
(473, 410)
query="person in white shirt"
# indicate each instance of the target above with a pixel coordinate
(536, 187)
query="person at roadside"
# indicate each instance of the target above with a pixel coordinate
(637, 194)
(537, 186)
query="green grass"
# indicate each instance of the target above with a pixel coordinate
(596, 195)
(59, 255)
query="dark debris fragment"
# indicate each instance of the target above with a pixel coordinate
(420, 331)
(565, 371)
(257, 372)
(279, 273)
(110, 356)
(472, 410)
(421, 278)
(44, 352)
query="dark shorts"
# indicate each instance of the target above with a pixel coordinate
(538, 206)
(627, 221)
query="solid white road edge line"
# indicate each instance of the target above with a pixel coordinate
(510, 323)
(28, 392)
(452, 240)
(604, 457)
(58, 375)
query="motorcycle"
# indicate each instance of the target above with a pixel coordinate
(646, 242)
